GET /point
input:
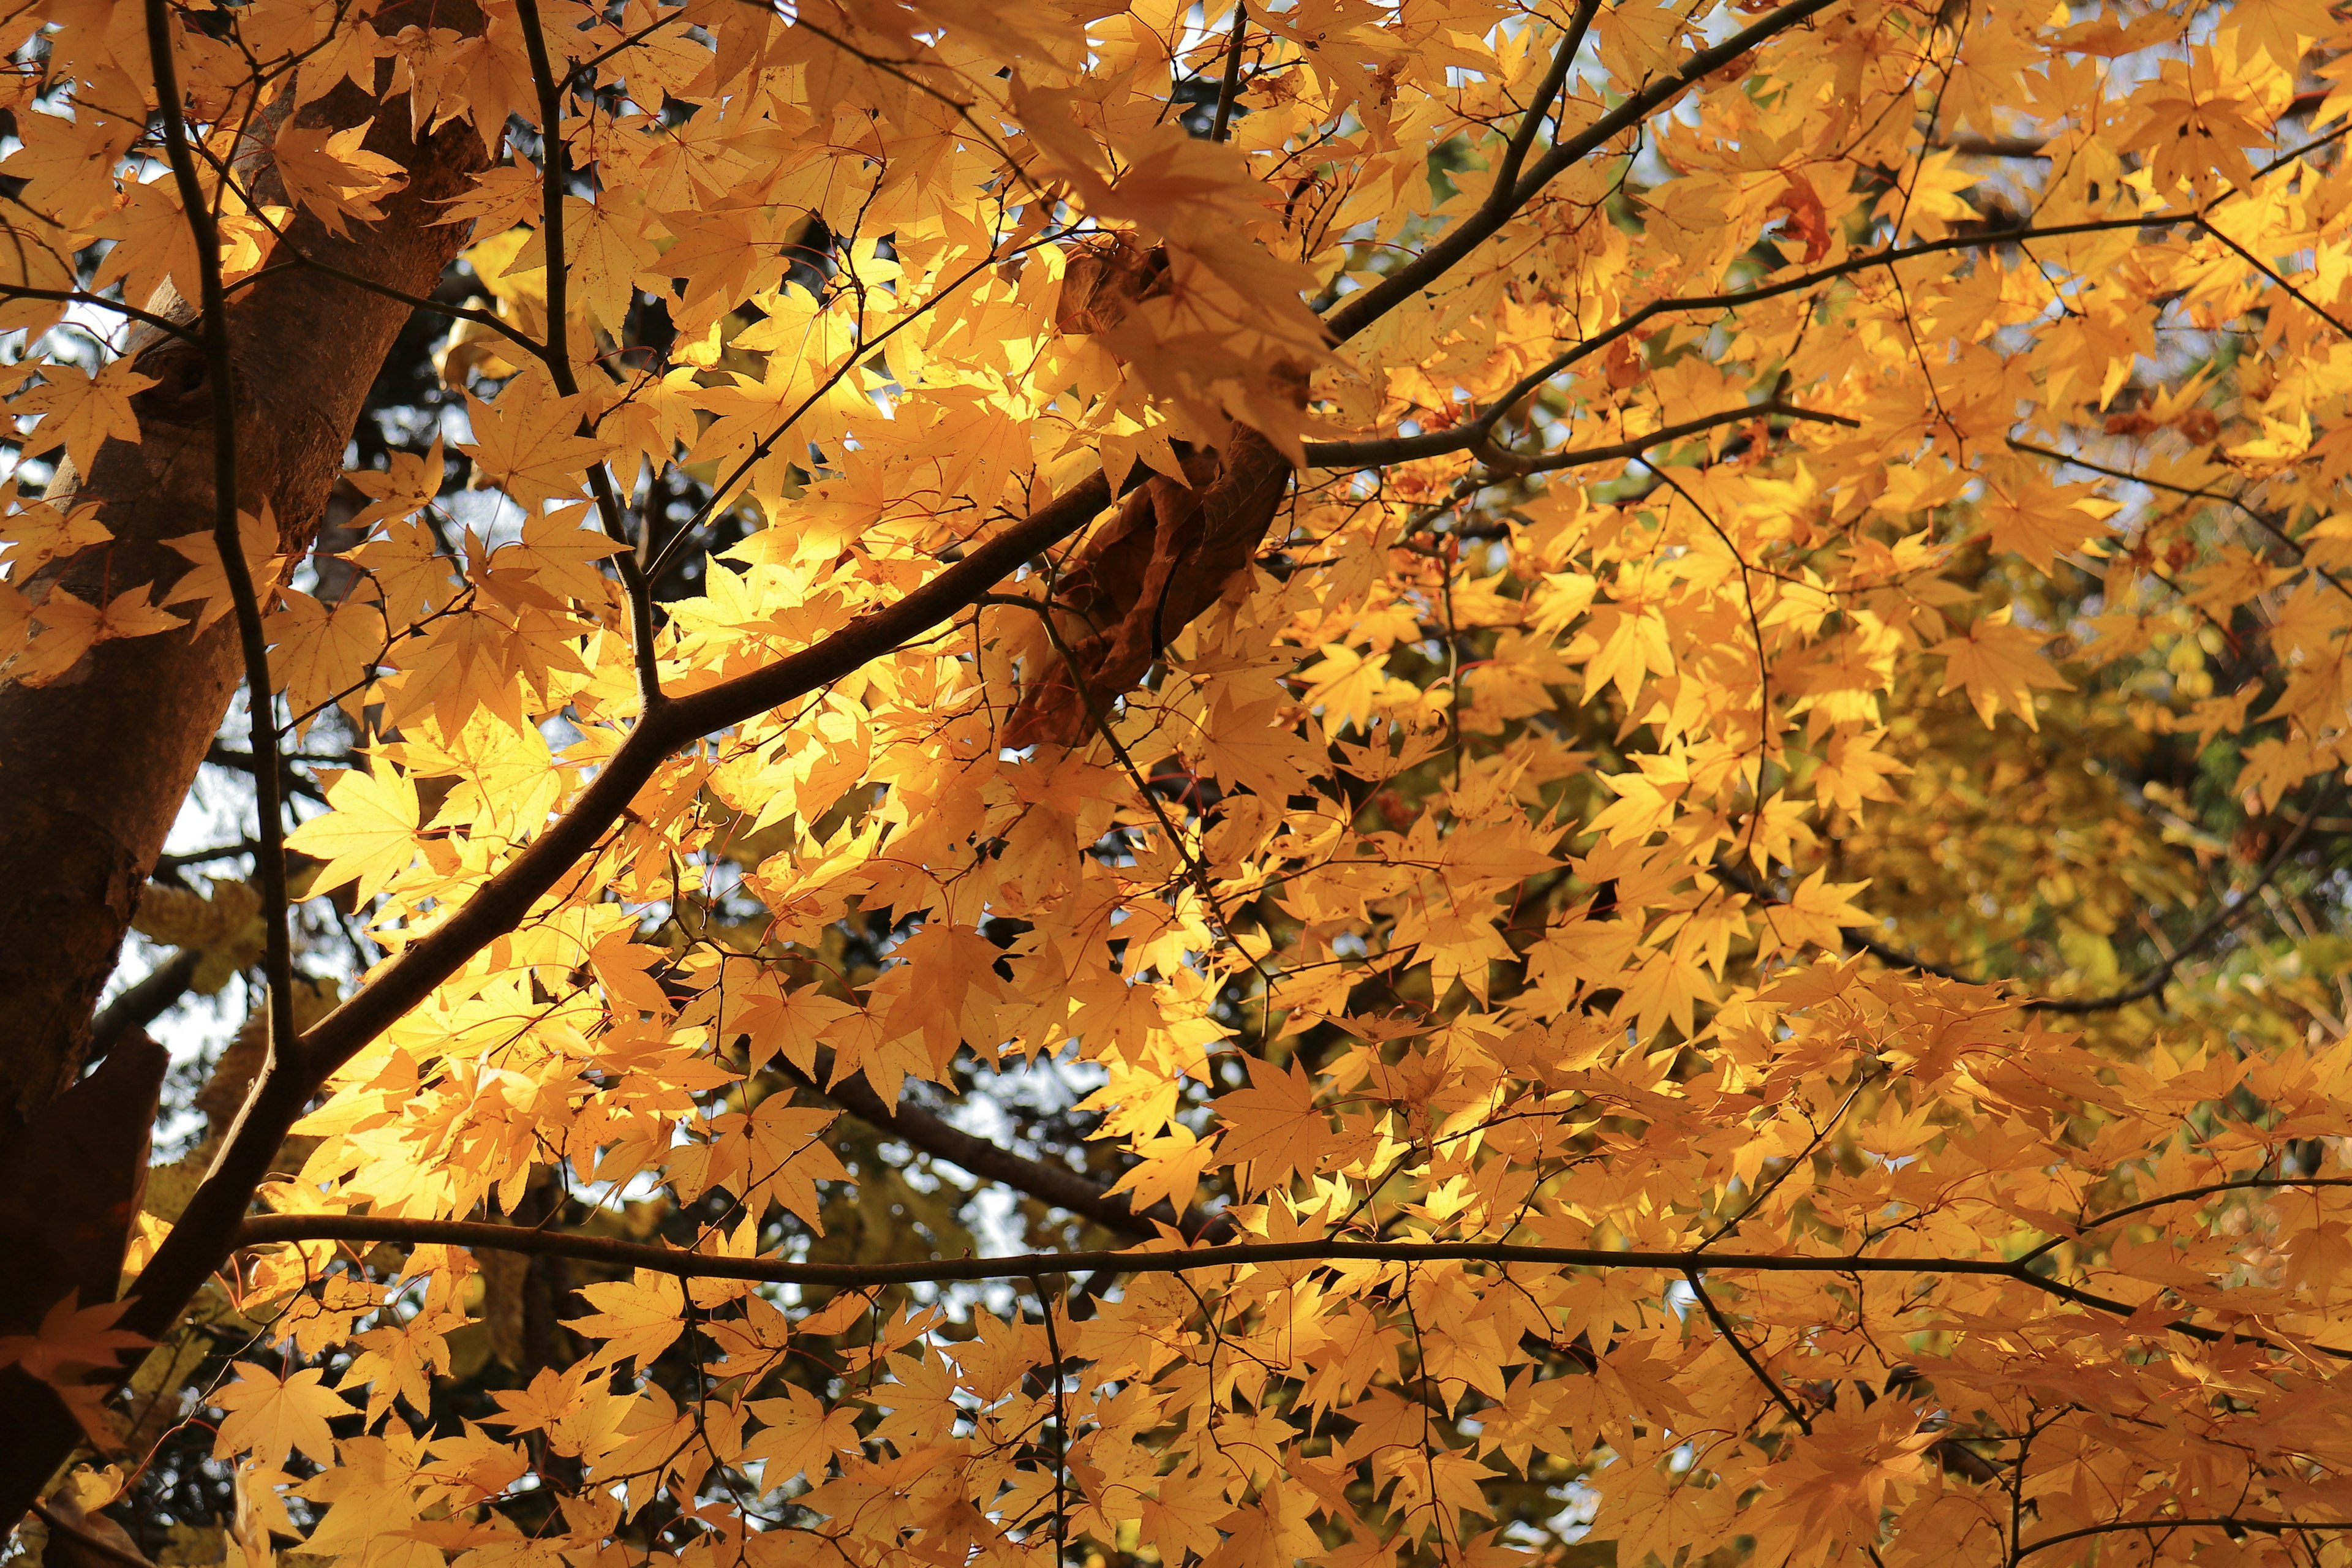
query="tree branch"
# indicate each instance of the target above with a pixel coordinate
(1463, 437)
(208, 1226)
(2218, 1522)
(267, 1229)
(144, 1001)
(554, 174)
(269, 861)
(1354, 312)
(2232, 912)
(1230, 89)
(83, 297)
(2247, 1184)
(1064, 1189)
(1748, 1357)
(2149, 983)
(295, 259)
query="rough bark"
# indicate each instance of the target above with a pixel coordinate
(94, 767)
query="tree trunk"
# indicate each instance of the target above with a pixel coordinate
(94, 766)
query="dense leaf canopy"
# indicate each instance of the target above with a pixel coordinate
(1429, 782)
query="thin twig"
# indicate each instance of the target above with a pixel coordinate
(1061, 1428)
(1723, 1326)
(2218, 1522)
(83, 297)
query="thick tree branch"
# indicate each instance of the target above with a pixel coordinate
(1230, 87)
(207, 1227)
(1547, 91)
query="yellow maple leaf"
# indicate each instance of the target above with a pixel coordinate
(332, 175)
(205, 582)
(1998, 663)
(559, 557)
(528, 444)
(369, 837)
(70, 1336)
(318, 651)
(1169, 1168)
(1274, 1127)
(636, 1317)
(82, 411)
(70, 626)
(268, 1415)
(799, 1436)
(1818, 912)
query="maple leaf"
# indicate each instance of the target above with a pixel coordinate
(1168, 1168)
(637, 1319)
(369, 837)
(2041, 523)
(70, 626)
(1806, 219)
(205, 584)
(330, 173)
(36, 533)
(1817, 912)
(798, 1437)
(318, 652)
(1998, 663)
(1605, 581)
(1838, 1477)
(269, 1415)
(80, 413)
(530, 446)
(559, 557)
(551, 1396)
(1274, 1127)
(70, 1338)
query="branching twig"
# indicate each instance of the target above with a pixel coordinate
(554, 176)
